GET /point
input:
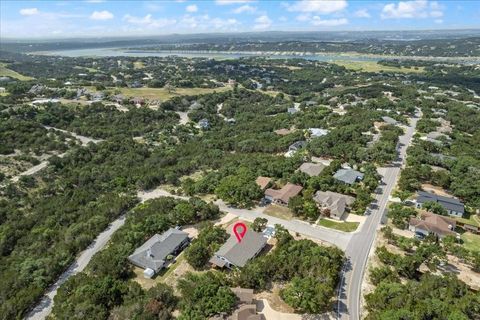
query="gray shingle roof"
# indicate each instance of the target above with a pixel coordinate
(238, 253)
(312, 169)
(448, 203)
(153, 253)
(349, 176)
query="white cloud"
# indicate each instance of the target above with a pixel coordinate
(148, 21)
(262, 23)
(362, 13)
(206, 23)
(412, 9)
(317, 21)
(228, 2)
(245, 9)
(29, 11)
(191, 8)
(101, 15)
(318, 6)
(438, 21)
(95, 1)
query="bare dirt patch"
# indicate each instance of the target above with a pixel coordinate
(437, 190)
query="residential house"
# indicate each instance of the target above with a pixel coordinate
(138, 101)
(97, 96)
(292, 110)
(335, 203)
(389, 120)
(37, 89)
(236, 254)
(154, 254)
(263, 182)
(283, 195)
(297, 146)
(430, 223)
(118, 98)
(453, 206)
(317, 132)
(204, 124)
(348, 176)
(2, 90)
(312, 169)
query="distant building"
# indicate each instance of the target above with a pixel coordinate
(237, 254)
(292, 110)
(453, 206)
(348, 176)
(430, 223)
(390, 120)
(297, 146)
(312, 169)
(37, 89)
(283, 195)
(336, 203)
(2, 89)
(204, 124)
(152, 256)
(318, 132)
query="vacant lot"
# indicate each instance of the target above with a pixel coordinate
(342, 226)
(5, 72)
(372, 66)
(278, 212)
(471, 241)
(164, 94)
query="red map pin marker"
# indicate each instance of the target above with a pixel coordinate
(240, 229)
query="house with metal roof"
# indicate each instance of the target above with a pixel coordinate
(154, 254)
(348, 176)
(236, 254)
(453, 206)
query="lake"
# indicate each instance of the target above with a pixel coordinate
(119, 52)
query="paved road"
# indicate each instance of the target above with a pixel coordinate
(358, 249)
(44, 307)
(84, 140)
(338, 238)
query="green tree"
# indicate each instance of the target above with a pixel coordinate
(307, 295)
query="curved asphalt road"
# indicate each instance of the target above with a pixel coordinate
(357, 252)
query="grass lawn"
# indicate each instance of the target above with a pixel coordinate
(138, 65)
(372, 66)
(163, 94)
(278, 212)
(5, 72)
(342, 226)
(472, 220)
(471, 241)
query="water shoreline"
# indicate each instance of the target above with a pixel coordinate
(320, 56)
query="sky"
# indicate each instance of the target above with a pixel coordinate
(97, 18)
